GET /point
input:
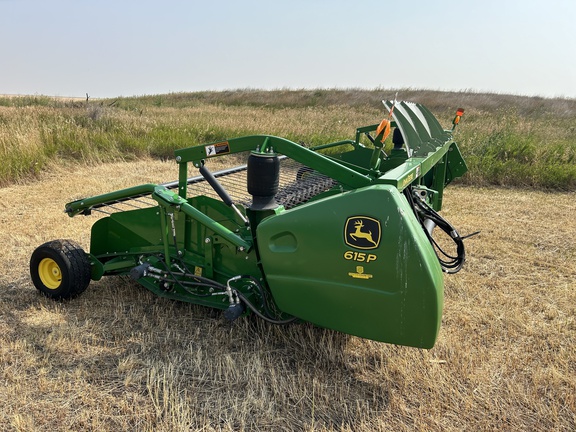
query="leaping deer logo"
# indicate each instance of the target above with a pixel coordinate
(359, 234)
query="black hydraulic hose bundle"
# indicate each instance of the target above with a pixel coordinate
(261, 315)
(423, 212)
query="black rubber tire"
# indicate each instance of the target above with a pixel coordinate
(60, 269)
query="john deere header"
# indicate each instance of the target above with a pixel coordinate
(340, 235)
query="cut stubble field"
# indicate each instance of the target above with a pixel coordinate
(119, 358)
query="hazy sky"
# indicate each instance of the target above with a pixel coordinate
(133, 47)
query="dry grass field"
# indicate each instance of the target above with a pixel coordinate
(119, 358)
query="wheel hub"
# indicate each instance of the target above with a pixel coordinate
(50, 273)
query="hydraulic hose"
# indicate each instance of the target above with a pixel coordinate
(264, 317)
(449, 263)
(205, 282)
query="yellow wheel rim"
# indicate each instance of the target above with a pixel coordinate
(50, 273)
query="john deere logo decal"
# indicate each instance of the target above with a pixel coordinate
(362, 232)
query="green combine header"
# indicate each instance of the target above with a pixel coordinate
(340, 235)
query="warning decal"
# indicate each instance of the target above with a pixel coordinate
(217, 149)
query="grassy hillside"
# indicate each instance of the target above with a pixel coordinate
(506, 140)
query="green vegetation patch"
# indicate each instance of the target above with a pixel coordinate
(510, 149)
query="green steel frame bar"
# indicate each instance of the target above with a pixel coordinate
(80, 206)
(414, 168)
(165, 198)
(271, 144)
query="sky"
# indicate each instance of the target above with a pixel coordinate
(111, 48)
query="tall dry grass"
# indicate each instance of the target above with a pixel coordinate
(119, 358)
(33, 138)
(506, 140)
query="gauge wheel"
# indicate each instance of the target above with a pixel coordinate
(60, 269)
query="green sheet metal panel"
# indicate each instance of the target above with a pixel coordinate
(357, 262)
(126, 232)
(139, 231)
